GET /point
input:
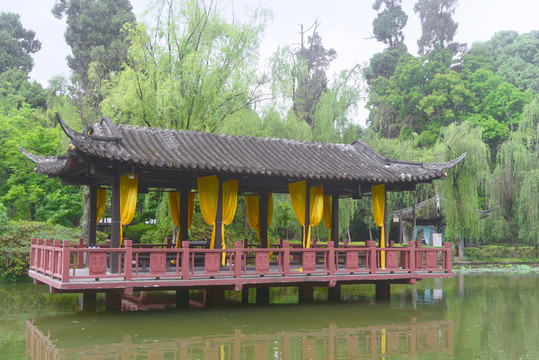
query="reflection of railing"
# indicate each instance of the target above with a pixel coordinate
(358, 343)
(65, 262)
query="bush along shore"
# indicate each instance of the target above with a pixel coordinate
(498, 257)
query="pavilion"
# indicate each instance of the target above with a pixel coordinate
(218, 167)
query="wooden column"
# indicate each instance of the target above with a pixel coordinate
(307, 213)
(219, 219)
(92, 216)
(263, 219)
(115, 224)
(184, 216)
(335, 220)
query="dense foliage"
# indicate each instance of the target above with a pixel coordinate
(191, 67)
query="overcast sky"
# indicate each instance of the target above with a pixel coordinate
(345, 26)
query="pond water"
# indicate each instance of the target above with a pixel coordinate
(471, 316)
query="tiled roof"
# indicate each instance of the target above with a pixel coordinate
(245, 155)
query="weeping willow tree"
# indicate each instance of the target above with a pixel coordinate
(504, 188)
(460, 190)
(528, 204)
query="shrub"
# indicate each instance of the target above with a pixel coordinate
(137, 231)
(15, 245)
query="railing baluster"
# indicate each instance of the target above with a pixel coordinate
(372, 256)
(448, 254)
(66, 257)
(237, 259)
(286, 260)
(128, 260)
(185, 260)
(411, 256)
(331, 258)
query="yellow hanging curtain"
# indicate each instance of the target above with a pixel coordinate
(327, 214)
(208, 192)
(174, 206)
(230, 202)
(298, 191)
(316, 207)
(253, 215)
(378, 207)
(101, 204)
(128, 200)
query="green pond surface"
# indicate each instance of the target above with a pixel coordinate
(474, 315)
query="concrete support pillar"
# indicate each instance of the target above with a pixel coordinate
(305, 293)
(113, 300)
(245, 295)
(182, 299)
(262, 296)
(215, 296)
(334, 293)
(383, 290)
(89, 301)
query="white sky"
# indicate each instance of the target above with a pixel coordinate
(345, 26)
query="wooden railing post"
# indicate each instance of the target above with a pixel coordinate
(331, 257)
(66, 260)
(372, 256)
(40, 255)
(237, 258)
(48, 257)
(185, 260)
(286, 258)
(56, 257)
(80, 255)
(411, 256)
(33, 242)
(447, 256)
(128, 260)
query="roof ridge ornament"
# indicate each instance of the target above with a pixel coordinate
(77, 136)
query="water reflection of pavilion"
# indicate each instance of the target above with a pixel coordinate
(346, 330)
(359, 343)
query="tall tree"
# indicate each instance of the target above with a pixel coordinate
(94, 30)
(437, 25)
(300, 74)
(17, 44)
(97, 40)
(388, 24)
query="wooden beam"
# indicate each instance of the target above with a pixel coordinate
(219, 218)
(184, 215)
(115, 224)
(92, 216)
(307, 212)
(335, 220)
(263, 219)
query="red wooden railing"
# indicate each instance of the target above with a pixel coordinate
(65, 261)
